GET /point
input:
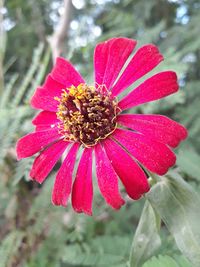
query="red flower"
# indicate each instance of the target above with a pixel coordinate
(88, 118)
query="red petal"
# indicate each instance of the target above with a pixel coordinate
(107, 179)
(43, 99)
(145, 59)
(47, 159)
(101, 55)
(63, 183)
(53, 86)
(155, 156)
(64, 73)
(45, 118)
(158, 86)
(109, 58)
(44, 96)
(82, 192)
(157, 127)
(45, 127)
(34, 142)
(131, 175)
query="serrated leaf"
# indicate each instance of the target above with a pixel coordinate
(146, 240)
(179, 207)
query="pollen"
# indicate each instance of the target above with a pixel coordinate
(86, 114)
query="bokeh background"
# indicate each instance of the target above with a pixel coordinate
(33, 233)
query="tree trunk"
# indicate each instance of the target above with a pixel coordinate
(57, 39)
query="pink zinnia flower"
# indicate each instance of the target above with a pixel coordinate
(76, 116)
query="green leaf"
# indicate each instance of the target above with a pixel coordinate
(22, 170)
(182, 261)
(179, 207)
(188, 161)
(161, 261)
(166, 261)
(74, 255)
(114, 245)
(146, 240)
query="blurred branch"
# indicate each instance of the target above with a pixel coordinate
(2, 45)
(56, 40)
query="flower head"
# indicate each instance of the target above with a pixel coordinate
(76, 117)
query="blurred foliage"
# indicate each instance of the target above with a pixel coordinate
(32, 231)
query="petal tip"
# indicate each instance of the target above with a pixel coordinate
(57, 203)
(18, 149)
(119, 205)
(18, 158)
(185, 133)
(89, 213)
(85, 211)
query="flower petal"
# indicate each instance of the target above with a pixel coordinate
(82, 192)
(157, 127)
(34, 142)
(45, 118)
(109, 58)
(44, 99)
(155, 156)
(107, 179)
(145, 59)
(158, 86)
(44, 127)
(44, 96)
(101, 55)
(64, 73)
(52, 86)
(131, 175)
(63, 183)
(47, 159)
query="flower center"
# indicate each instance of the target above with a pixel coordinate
(86, 114)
